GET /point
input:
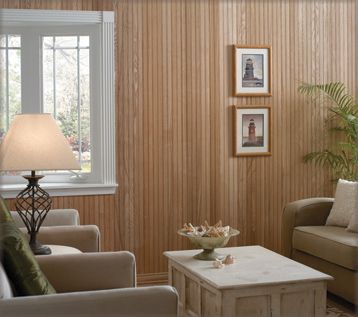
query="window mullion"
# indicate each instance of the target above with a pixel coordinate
(7, 82)
(31, 73)
(54, 76)
(79, 102)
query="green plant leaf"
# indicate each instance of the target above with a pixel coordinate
(342, 157)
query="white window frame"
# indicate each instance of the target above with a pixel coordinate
(100, 24)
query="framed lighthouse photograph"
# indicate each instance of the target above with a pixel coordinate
(252, 130)
(252, 72)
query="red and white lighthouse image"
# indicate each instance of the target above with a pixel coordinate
(252, 131)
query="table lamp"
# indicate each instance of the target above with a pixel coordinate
(34, 142)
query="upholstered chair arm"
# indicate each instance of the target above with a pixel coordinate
(85, 238)
(89, 271)
(154, 301)
(55, 217)
(304, 212)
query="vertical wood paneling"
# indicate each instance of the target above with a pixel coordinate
(174, 71)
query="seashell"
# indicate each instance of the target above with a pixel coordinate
(229, 259)
(206, 225)
(205, 230)
(218, 264)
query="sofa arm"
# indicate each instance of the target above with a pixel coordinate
(85, 238)
(304, 212)
(89, 271)
(154, 301)
(55, 217)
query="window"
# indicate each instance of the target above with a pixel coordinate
(66, 90)
(10, 79)
(62, 65)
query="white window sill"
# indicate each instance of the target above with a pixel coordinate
(62, 189)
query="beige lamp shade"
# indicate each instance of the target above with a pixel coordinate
(34, 142)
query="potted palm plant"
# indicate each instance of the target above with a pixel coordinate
(341, 157)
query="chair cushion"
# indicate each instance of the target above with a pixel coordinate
(330, 243)
(5, 287)
(62, 249)
(18, 260)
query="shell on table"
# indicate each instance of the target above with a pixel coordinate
(229, 259)
(218, 264)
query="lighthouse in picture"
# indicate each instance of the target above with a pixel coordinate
(249, 70)
(252, 131)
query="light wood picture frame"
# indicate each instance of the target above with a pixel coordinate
(252, 130)
(252, 70)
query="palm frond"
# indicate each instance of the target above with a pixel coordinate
(338, 129)
(336, 92)
(343, 156)
(324, 157)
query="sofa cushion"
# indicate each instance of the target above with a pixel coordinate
(345, 204)
(330, 243)
(5, 287)
(353, 223)
(19, 262)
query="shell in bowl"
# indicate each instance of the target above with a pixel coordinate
(209, 244)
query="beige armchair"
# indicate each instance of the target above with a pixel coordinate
(62, 227)
(93, 284)
(87, 284)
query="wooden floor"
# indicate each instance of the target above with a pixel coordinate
(345, 306)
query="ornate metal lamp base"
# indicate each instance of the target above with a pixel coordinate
(39, 249)
(33, 204)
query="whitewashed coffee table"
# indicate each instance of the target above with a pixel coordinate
(260, 283)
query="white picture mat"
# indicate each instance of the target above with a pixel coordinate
(239, 71)
(239, 129)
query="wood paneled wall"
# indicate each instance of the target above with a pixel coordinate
(174, 119)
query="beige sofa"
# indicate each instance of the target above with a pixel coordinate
(87, 284)
(329, 249)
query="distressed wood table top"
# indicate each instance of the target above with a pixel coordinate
(253, 266)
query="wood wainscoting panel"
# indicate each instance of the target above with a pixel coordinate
(209, 303)
(297, 304)
(174, 118)
(256, 306)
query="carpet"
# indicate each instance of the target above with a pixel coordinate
(335, 312)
